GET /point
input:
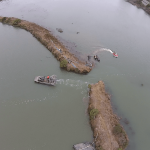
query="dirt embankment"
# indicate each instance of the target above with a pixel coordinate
(108, 133)
(139, 4)
(67, 60)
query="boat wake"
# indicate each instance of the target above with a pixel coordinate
(103, 49)
(73, 83)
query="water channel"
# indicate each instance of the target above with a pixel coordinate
(38, 117)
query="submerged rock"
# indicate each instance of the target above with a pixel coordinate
(59, 30)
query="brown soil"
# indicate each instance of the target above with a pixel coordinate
(51, 43)
(139, 4)
(108, 133)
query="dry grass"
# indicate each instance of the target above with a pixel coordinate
(111, 135)
(50, 42)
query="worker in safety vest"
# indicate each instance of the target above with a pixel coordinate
(48, 78)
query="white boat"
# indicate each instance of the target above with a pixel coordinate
(115, 54)
(44, 80)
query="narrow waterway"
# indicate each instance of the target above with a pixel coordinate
(39, 117)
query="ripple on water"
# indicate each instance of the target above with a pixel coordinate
(73, 83)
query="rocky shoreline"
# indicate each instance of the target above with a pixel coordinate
(107, 131)
(67, 60)
(139, 4)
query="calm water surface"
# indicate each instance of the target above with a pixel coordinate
(38, 117)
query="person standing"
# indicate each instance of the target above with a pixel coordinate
(47, 78)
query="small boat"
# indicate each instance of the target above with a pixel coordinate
(115, 54)
(45, 80)
(96, 58)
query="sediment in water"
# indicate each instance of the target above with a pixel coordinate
(67, 60)
(107, 131)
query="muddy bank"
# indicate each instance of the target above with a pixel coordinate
(107, 131)
(139, 4)
(68, 61)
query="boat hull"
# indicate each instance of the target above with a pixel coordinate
(46, 81)
(115, 55)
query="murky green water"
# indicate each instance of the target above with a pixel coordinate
(38, 117)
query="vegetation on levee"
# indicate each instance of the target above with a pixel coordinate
(148, 5)
(121, 135)
(16, 22)
(139, 2)
(89, 86)
(8, 20)
(76, 70)
(3, 19)
(117, 129)
(100, 148)
(93, 113)
(63, 63)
